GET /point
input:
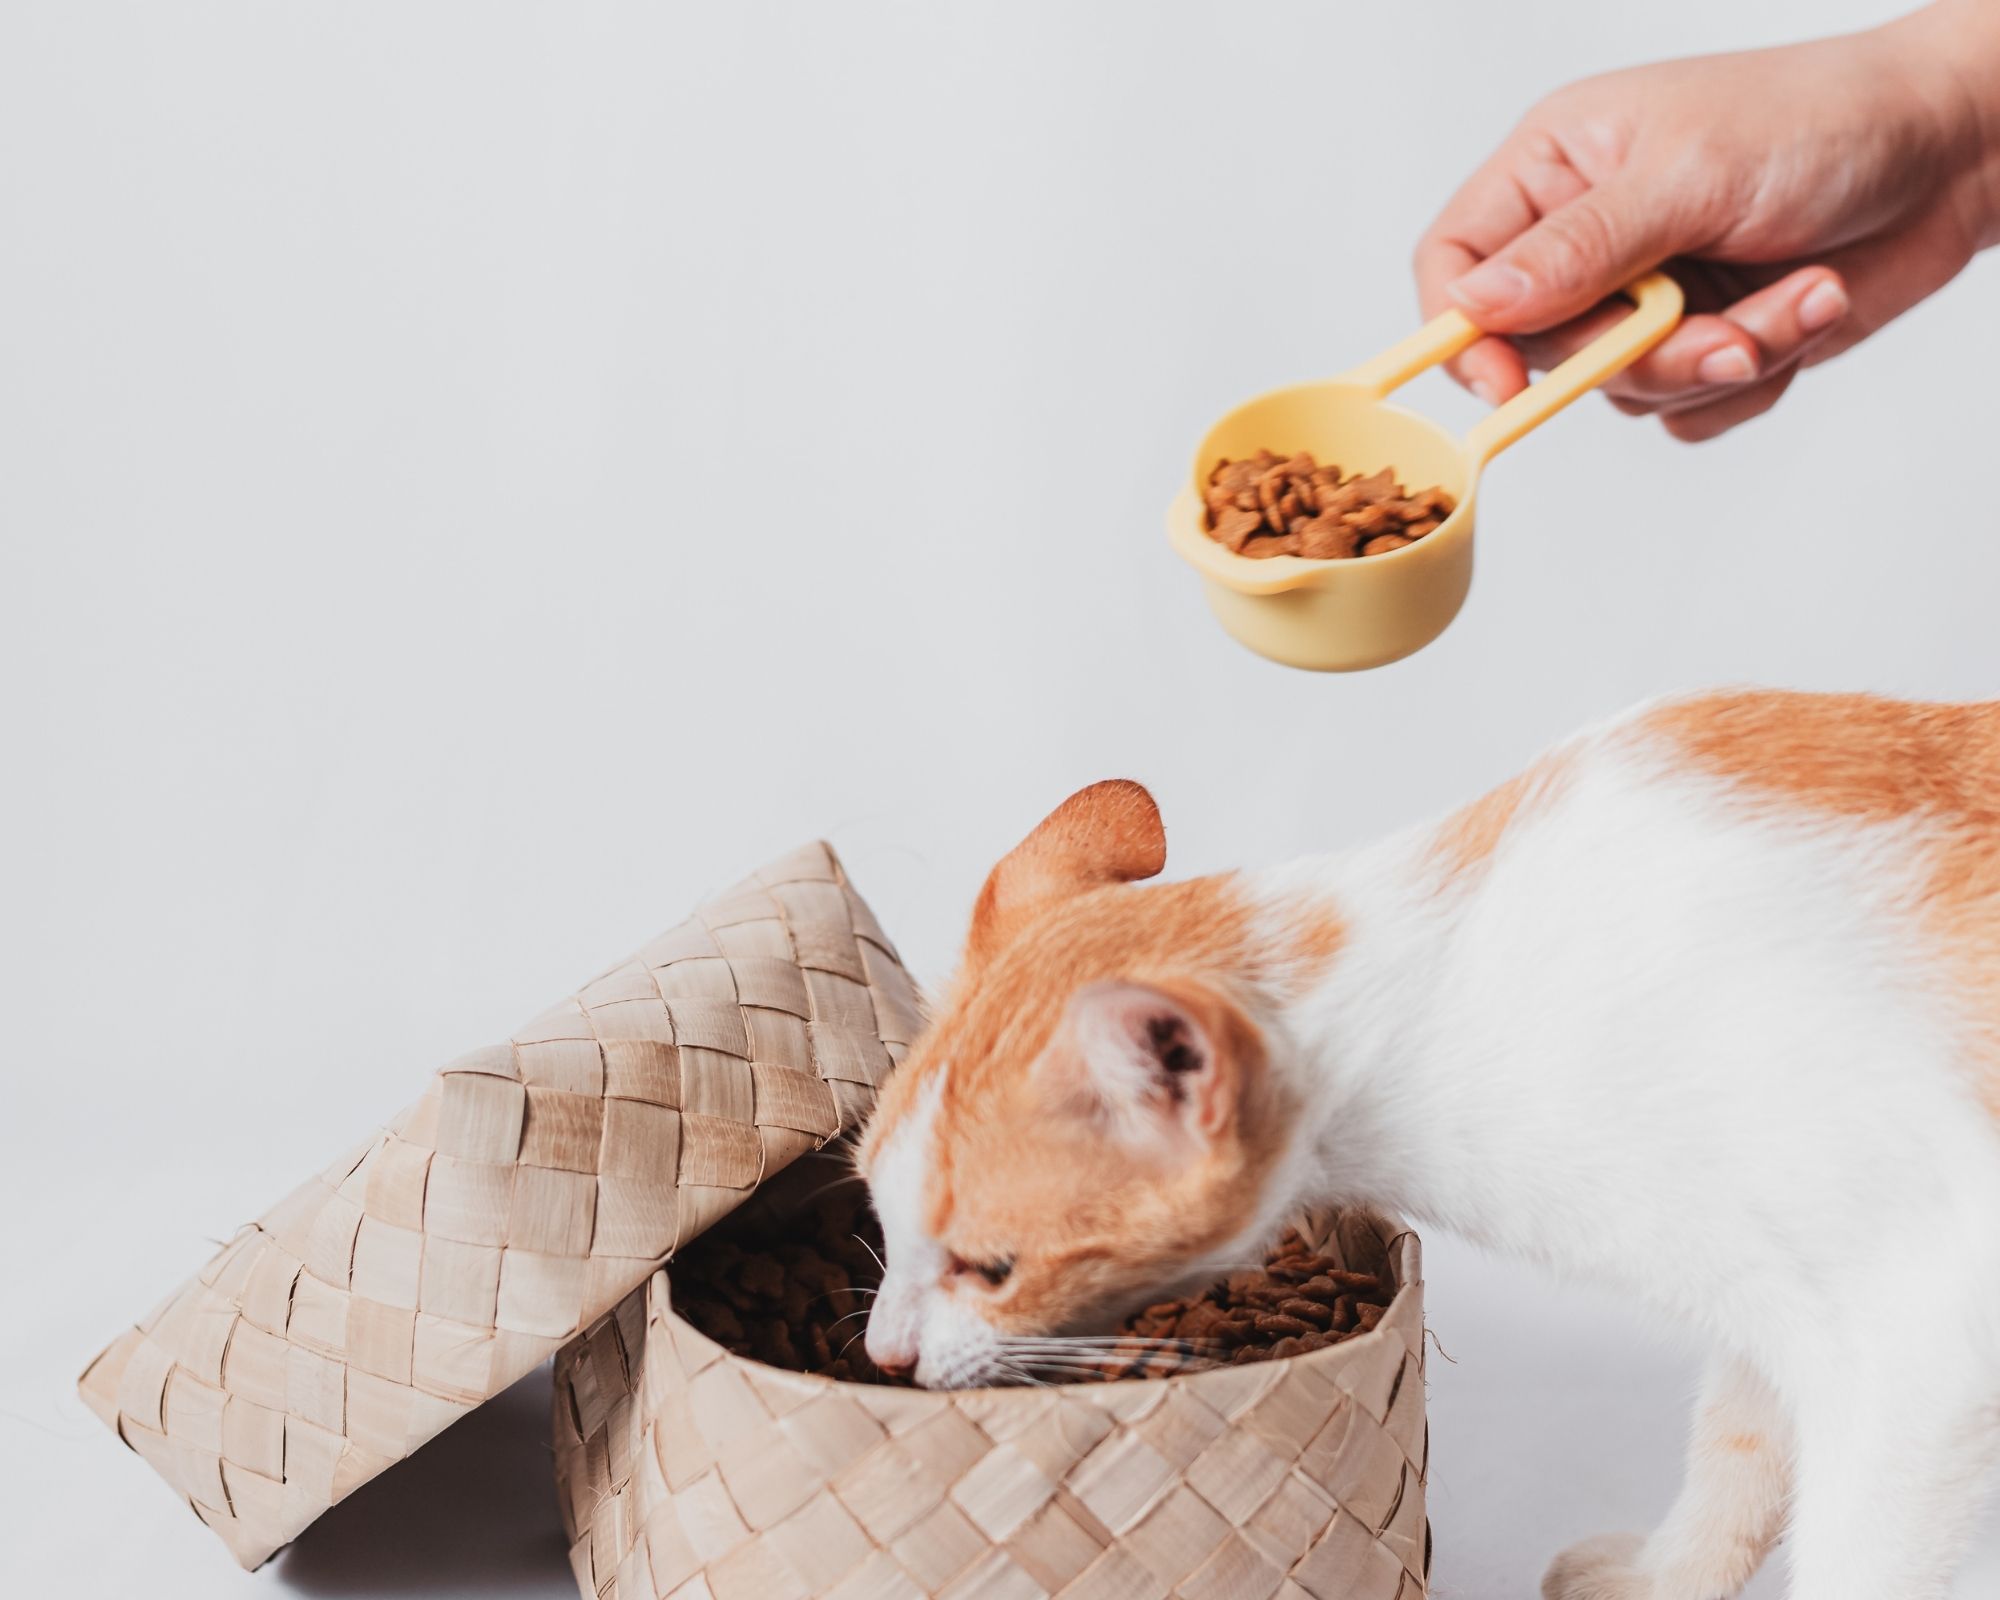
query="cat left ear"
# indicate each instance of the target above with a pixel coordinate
(1157, 1069)
(1108, 833)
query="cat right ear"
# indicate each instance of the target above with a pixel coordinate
(1108, 833)
(1158, 1071)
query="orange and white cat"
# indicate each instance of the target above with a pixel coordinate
(1704, 1005)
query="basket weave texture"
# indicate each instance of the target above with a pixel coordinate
(532, 1187)
(691, 1473)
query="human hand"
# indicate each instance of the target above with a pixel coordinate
(1803, 196)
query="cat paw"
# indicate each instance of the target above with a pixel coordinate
(1604, 1568)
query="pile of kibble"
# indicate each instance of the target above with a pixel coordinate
(796, 1297)
(1301, 1300)
(1273, 505)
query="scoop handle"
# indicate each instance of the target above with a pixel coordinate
(1656, 302)
(1437, 340)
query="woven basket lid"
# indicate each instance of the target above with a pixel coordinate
(531, 1187)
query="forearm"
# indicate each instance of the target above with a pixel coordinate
(1951, 49)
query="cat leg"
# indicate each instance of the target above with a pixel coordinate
(1729, 1513)
(1891, 1477)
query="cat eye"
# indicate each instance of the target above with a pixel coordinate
(991, 1273)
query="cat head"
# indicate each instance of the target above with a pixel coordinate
(1092, 1120)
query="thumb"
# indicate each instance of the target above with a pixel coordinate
(1571, 259)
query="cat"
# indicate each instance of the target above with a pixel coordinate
(1703, 1005)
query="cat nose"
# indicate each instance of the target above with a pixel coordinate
(895, 1323)
(894, 1355)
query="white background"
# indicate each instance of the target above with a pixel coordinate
(476, 477)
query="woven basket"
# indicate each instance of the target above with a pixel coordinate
(531, 1189)
(689, 1472)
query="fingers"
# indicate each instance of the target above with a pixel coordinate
(1570, 259)
(1526, 178)
(1702, 353)
(1775, 327)
(1702, 422)
(1697, 399)
(1492, 369)
(1519, 184)
(1529, 247)
(1884, 277)
(1814, 314)
(1712, 361)
(1712, 358)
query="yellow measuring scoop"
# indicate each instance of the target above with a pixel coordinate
(1339, 616)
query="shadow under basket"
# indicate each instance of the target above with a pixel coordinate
(689, 1472)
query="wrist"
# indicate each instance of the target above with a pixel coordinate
(1950, 52)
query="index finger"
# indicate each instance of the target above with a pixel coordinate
(1524, 180)
(1490, 367)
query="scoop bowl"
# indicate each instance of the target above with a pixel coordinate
(1345, 615)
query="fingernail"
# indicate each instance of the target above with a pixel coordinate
(1727, 365)
(1491, 286)
(1824, 305)
(1485, 391)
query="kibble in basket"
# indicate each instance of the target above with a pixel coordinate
(793, 1293)
(689, 1468)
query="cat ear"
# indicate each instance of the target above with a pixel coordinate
(1159, 1071)
(1108, 833)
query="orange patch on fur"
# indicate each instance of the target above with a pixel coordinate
(1855, 754)
(1880, 761)
(1313, 934)
(1016, 1169)
(1742, 1444)
(1107, 833)
(1468, 839)
(1005, 1002)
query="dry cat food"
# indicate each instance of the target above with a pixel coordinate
(796, 1296)
(1299, 1301)
(1273, 505)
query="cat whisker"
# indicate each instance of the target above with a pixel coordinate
(1114, 1357)
(1090, 1338)
(851, 1289)
(1131, 1344)
(871, 1250)
(1088, 1366)
(828, 1187)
